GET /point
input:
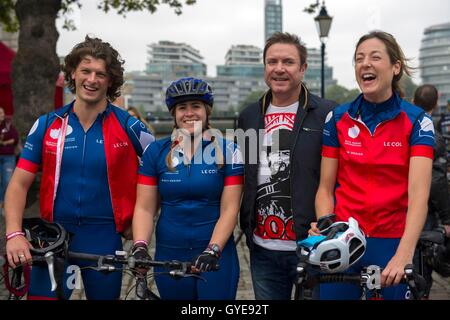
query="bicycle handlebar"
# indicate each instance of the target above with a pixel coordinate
(369, 278)
(106, 263)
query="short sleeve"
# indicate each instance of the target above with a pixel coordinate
(31, 156)
(148, 172)
(330, 147)
(234, 165)
(422, 138)
(139, 135)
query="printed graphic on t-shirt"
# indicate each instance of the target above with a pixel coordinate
(273, 204)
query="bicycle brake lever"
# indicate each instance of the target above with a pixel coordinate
(51, 268)
(183, 274)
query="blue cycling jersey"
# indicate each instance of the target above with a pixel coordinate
(190, 208)
(190, 196)
(83, 191)
(83, 196)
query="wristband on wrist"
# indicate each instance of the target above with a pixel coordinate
(11, 235)
(214, 247)
(140, 242)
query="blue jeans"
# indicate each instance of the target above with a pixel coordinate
(7, 164)
(273, 273)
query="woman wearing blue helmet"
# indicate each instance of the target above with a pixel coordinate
(196, 177)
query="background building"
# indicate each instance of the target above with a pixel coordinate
(174, 60)
(241, 75)
(313, 72)
(273, 17)
(242, 61)
(434, 60)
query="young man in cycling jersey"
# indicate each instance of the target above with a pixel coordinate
(88, 151)
(279, 190)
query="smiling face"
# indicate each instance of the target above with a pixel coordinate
(191, 115)
(374, 70)
(283, 73)
(91, 81)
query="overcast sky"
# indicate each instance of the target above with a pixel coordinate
(212, 26)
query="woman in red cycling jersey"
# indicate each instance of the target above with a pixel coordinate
(376, 165)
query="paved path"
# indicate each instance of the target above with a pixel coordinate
(440, 290)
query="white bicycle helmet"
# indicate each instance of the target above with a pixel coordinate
(339, 247)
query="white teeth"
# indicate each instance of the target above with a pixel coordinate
(368, 76)
(90, 88)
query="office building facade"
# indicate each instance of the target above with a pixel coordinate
(273, 17)
(434, 61)
(174, 60)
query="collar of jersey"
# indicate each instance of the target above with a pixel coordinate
(388, 109)
(68, 108)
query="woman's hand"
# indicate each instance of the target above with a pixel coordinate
(314, 231)
(395, 270)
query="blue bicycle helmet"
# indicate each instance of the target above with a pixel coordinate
(186, 89)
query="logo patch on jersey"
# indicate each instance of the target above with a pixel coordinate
(139, 130)
(329, 116)
(426, 128)
(353, 132)
(34, 127)
(236, 160)
(69, 130)
(175, 161)
(209, 171)
(54, 133)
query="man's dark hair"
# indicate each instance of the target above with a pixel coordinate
(426, 97)
(287, 38)
(97, 49)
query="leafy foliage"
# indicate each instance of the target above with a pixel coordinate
(9, 21)
(341, 94)
(312, 7)
(7, 16)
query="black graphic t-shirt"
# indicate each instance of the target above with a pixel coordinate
(275, 230)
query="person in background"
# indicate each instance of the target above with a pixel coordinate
(9, 138)
(134, 112)
(426, 96)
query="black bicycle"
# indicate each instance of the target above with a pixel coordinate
(369, 280)
(324, 259)
(50, 249)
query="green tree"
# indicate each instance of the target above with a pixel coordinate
(36, 64)
(341, 94)
(352, 94)
(252, 97)
(336, 93)
(408, 86)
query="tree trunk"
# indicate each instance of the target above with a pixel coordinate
(36, 66)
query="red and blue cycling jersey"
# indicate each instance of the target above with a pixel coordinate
(86, 179)
(374, 144)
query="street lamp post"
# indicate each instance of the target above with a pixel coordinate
(323, 24)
